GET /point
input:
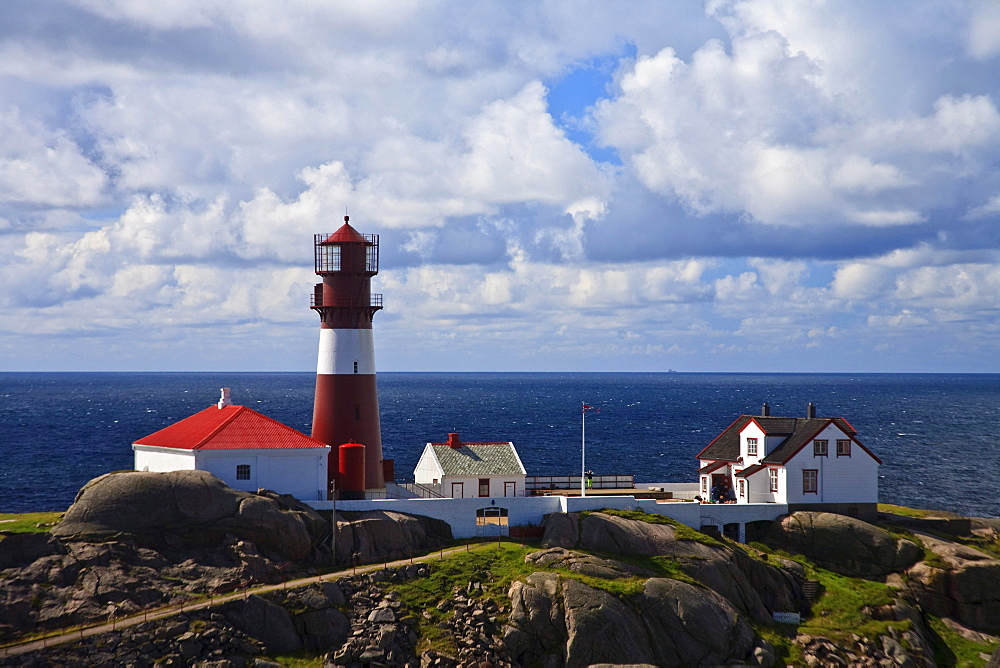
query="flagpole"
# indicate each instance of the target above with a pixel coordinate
(583, 449)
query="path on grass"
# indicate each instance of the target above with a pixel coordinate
(79, 633)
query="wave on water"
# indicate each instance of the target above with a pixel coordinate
(59, 430)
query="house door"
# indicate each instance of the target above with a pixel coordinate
(457, 490)
(720, 482)
(510, 489)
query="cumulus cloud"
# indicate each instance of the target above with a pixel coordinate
(753, 177)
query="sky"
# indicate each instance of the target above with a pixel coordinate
(728, 185)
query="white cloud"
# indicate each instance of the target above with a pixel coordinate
(793, 174)
(984, 30)
(42, 167)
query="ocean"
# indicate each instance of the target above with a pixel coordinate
(937, 434)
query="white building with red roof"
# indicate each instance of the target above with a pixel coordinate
(245, 449)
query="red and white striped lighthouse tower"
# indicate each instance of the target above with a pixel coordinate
(345, 409)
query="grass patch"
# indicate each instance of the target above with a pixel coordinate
(495, 566)
(300, 659)
(681, 531)
(842, 608)
(29, 522)
(786, 652)
(919, 513)
(671, 568)
(953, 649)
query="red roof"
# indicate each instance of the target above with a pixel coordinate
(229, 428)
(346, 234)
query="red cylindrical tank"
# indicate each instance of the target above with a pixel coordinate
(351, 471)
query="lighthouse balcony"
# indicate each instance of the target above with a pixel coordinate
(320, 300)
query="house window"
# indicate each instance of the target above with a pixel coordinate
(484, 487)
(704, 484)
(773, 475)
(810, 481)
(752, 447)
(843, 447)
(510, 489)
(743, 487)
(242, 471)
(820, 447)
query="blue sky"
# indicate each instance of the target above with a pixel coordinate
(729, 185)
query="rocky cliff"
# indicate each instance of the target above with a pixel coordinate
(603, 588)
(133, 541)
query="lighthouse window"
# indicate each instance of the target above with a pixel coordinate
(328, 258)
(355, 366)
(357, 412)
(242, 471)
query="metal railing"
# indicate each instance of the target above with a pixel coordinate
(543, 482)
(319, 300)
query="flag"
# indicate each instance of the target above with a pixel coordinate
(591, 408)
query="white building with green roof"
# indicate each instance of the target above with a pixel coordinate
(470, 470)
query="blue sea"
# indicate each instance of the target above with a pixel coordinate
(937, 434)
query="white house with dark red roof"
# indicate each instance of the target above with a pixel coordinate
(469, 470)
(810, 463)
(245, 449)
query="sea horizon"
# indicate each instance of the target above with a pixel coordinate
(933, 430)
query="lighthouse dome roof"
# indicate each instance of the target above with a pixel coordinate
(346, 235)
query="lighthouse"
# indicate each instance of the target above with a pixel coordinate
(345, 409)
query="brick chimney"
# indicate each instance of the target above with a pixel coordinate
(453, 441)
(811, 410)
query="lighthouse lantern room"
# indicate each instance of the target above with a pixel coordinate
(345, 409)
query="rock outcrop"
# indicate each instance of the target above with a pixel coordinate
(383, 535)
(754, 588)
(187, 508)
(136, 540)
(963, 584)
(843, 544)
(668, 623)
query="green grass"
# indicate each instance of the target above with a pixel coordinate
(496, 566)
(952, 649)
(681, 531)
(840, 610)
(300, 659)
(919, 513)
(28, 522)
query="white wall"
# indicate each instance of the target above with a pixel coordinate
(470, 485)
(428, 471)
(851, 479)
(461, 513)
(161, 460)
(299, 472)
